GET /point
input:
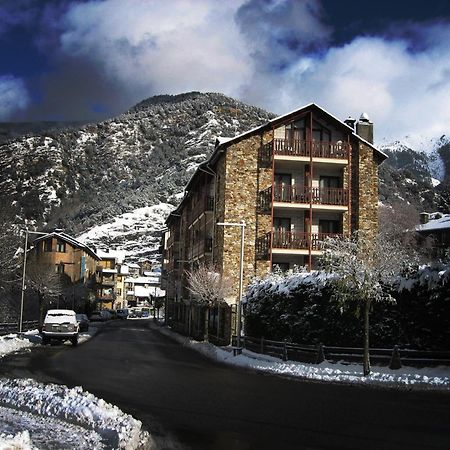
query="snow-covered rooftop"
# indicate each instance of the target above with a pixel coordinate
(440, 223)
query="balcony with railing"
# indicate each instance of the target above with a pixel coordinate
(316, 149)
(200, 248)
(292, 240)
(204, 204)
(315, 195)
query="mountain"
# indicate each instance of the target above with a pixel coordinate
(419, 177)
(78, 179)
(14, 130)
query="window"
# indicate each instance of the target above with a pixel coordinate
(48, 245)
(282, 232)
(60, 246)
(329, 226)
(282, 187)
(60, 268)
(329, 182)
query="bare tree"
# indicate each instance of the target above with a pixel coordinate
(10, 243)
(46, 283)
(208, 287)
(361, 268)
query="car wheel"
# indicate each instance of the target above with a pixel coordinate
(74, 341)
(45, 340)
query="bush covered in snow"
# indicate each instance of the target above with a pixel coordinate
(300, 307)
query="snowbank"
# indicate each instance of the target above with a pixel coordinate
(117, 429)
(11, 343)
(426, 378)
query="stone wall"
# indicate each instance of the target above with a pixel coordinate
(241, 176)
(367, 191)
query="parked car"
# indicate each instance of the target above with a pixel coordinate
(100, 316)
(83, 322)
(122, 313)
(60, 324)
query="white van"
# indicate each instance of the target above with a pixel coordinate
(60, 324)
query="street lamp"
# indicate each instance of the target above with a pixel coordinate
(241, 276)
(27, 232)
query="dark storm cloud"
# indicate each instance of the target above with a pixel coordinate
(280, 31)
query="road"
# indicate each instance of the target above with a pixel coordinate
(189, 402)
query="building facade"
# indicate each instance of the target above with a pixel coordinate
(65, 255)
(294, 181)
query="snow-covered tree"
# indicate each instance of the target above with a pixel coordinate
(361, 268)
(208, 287)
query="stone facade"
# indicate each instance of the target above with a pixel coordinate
(309, 148)
(367, 192)
(241, 177)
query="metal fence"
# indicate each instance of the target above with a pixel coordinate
(393, 357)
(13, 327)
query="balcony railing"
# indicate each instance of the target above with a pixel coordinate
(291, 240)
(205, 203)
(318, 149)
(200, 247)
(304, 194)
(295, 240)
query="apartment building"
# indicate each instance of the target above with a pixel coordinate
(110, 279)
(65, 255)
(294, 181)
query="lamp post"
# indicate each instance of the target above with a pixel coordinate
(27, 232)
(241, 276)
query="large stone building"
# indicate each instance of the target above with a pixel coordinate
(294, 181)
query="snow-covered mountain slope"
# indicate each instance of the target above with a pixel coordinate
(137, 232)
(80, 178)
(418, 176)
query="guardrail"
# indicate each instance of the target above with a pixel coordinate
(315, 354)
(13, 327)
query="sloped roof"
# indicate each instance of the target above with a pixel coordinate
(224, 142)
(70, 240)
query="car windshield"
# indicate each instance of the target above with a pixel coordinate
(60, 315)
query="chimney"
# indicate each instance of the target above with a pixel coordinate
(350, 121)
(364, 128)
(424, 217)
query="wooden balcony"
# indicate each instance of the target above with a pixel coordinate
(291, 240)
(316, 149)
(316, 196)
(204, 204)
(200, 248)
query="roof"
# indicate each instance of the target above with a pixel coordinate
(441, 223)
(118, 255)
(70, 240)
(222, 142)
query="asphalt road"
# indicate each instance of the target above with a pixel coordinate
(189, 402)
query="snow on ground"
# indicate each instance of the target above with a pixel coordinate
(37, 416)
(406, 377)
(57, 417)
(12, 343)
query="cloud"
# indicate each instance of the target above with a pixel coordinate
(107, 55)
(13, 96)
(404, 92)
(151, 47)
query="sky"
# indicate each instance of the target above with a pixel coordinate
(92, 59)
